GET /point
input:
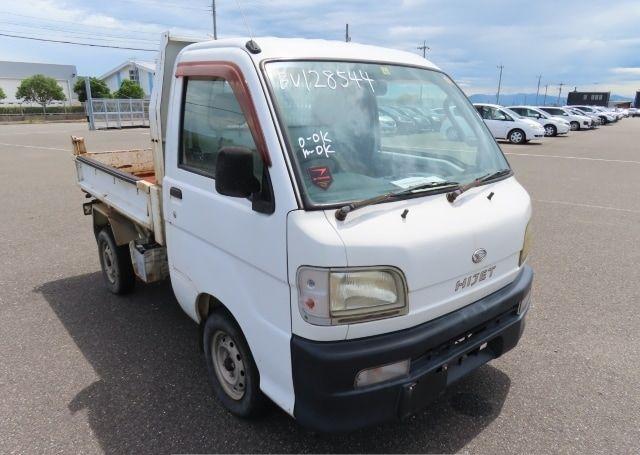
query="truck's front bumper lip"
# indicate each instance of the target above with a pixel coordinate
(324, 372)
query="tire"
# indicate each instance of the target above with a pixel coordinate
(231, 369)
(550, 130)
(115, 262)
(517, 136)
(575, 126)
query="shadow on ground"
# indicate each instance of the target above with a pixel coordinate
(153, 396)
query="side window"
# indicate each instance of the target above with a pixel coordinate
(531, 113)
(212, 119)
(496, 114)
(482, 111)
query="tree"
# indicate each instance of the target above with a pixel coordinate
(99, 89)
(2, 94)
(129, 89)
(40, 89)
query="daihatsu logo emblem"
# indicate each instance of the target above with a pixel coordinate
(478, 255)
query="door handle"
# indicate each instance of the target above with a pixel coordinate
(175, 192)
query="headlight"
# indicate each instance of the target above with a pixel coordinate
(348, 295)
(526, 245)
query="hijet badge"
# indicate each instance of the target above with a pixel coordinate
(320, 176)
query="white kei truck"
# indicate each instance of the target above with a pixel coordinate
(347, 272)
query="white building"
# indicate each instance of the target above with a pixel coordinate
(13, 73)
(136, 70)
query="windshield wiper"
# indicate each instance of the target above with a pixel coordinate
(341, 213)
(452, 196)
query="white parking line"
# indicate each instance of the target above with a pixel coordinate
(31, 133)
(573, 158)
(576, 204)
(34, 147)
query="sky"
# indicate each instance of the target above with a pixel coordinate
(588, 44)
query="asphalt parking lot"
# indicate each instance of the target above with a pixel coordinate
(84, 371)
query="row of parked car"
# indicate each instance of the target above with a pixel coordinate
(521, 124)
(517, 124)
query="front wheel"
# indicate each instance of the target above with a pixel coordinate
(575, 126)
(517, 137)
(115, 261)
(550, 130)
(231, 369)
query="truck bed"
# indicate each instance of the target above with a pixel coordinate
(125, 181)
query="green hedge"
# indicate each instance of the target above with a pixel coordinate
(38, 110)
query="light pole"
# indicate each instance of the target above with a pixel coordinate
(347, 37)
(538, 91)
(560, 92)
(213, 19)
(546, 87)
(500, 67)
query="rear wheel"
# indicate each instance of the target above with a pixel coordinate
(115, 261)
(231, 369)
(550, 130)
(517, 137)
(575, 126)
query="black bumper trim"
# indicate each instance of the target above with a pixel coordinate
(441, 351)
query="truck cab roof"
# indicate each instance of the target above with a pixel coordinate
(299, 48)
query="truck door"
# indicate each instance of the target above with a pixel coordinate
(231, 248)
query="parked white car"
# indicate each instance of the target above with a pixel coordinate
(576, 122)
(552, 125)
(634, 112)
(593, 116)
(606, 117)
(507, 124)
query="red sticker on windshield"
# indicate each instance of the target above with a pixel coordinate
(320, 176)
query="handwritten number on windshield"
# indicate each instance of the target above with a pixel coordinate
(324, 79)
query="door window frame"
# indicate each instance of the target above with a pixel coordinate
(232, 74)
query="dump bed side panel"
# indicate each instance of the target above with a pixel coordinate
(124, 192)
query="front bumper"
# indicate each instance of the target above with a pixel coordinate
(441, 351)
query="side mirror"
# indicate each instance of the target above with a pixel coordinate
(234, 172)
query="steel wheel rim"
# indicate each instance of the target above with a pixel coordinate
(516, 137)
(549, 130)
(228, 365)
(109, 263)
(574, 126)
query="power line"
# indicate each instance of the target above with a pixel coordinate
(34, 29)
(77, 23)
(165, 4)
(78, 44)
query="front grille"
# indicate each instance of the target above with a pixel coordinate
(458, 343)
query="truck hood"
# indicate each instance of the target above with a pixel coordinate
(434, 244)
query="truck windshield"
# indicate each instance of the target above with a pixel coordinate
(357, 130)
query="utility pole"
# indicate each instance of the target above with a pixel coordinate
(538, 91)
(213, 18)
(546, 87)
(88, 104)
(500, 67)
(560, 92)
(347, 38)
(424, 48)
